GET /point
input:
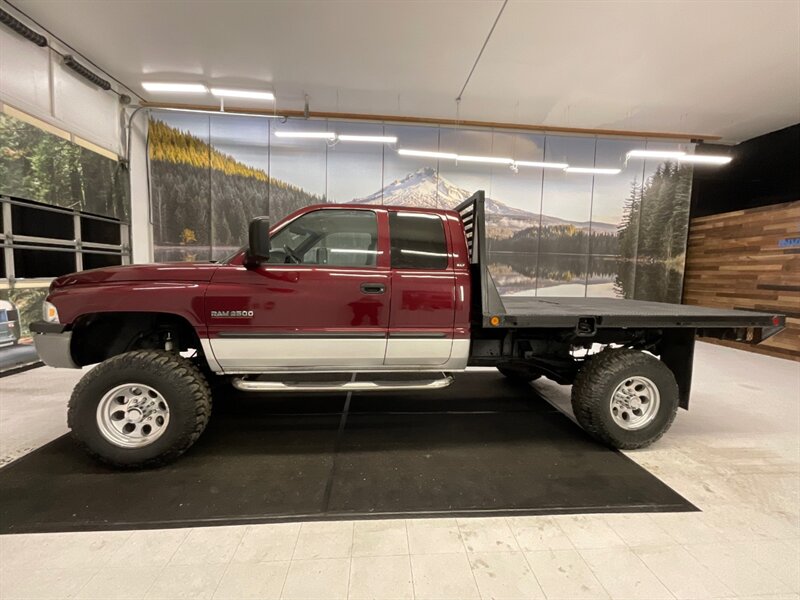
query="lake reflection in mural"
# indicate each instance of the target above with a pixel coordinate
(582, 275)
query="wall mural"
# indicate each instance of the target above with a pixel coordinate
(41, 166)
(550, 232)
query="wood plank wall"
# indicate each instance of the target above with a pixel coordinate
(734, 260)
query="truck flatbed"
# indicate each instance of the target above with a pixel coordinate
(589, 316)
(522, 311)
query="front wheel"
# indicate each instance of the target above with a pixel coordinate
(625, 398)
(140, 409)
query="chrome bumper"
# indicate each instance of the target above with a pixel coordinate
(53, 345)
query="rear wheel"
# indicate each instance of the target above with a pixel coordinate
(625, 398)
(139, 409)
(519, 374)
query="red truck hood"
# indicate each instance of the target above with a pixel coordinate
(154, 272)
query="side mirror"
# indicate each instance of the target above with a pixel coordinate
(258, 240)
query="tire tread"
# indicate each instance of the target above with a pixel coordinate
(588, 395)
(174, 366)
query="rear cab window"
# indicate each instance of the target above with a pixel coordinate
(417, 241)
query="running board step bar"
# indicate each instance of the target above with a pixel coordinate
(254, 385)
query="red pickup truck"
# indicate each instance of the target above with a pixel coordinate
(355, 289)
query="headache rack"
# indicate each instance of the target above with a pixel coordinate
(486, 301)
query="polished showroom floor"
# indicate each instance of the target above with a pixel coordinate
(735, 455)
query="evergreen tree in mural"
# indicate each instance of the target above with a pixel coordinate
(656, 214)
(629, 226)
(652, 235)
(202, 190)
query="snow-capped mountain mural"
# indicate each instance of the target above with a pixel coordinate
(426, 188)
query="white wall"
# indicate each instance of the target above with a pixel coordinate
(141, 227)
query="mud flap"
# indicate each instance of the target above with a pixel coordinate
(676, 350)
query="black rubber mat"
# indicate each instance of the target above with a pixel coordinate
(484, 446)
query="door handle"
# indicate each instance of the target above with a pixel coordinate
(373, 288)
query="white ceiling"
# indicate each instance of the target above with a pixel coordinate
(730, 69)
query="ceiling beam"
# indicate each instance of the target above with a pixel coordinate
(452, 122)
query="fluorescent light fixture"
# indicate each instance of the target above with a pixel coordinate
(656, 154)
(321, 135)
(541, 165)
(426, 154)
(484, 159)
(228, 93)
(593, 170)
(706, 159)
(187, 88)
(221, 113)
(703, 159)
(495, 160)
(383, 139)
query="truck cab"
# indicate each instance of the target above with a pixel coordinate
(345, 288)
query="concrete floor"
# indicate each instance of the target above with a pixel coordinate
(735, 454)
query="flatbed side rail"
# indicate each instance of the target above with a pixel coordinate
(486, 301)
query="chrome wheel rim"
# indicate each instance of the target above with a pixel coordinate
(132, 415)
(634, 403)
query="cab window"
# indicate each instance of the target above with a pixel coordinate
(417, 241)
(337, 238)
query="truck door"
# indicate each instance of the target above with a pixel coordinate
(423, 290)
(321, 302)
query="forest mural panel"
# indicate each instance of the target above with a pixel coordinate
(550, 232)
(41, 166)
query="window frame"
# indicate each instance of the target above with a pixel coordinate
(445, 233)
(381, 225)
(76, 246)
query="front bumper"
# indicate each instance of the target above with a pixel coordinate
(53, 343)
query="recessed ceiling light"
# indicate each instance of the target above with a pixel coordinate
(541, 165)
(484, 159)
(593, 170)
(385, 139)
(322, 135)
(229, 93)
(187, 88)
(427, 154)
(706, 159)
(656, 154)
